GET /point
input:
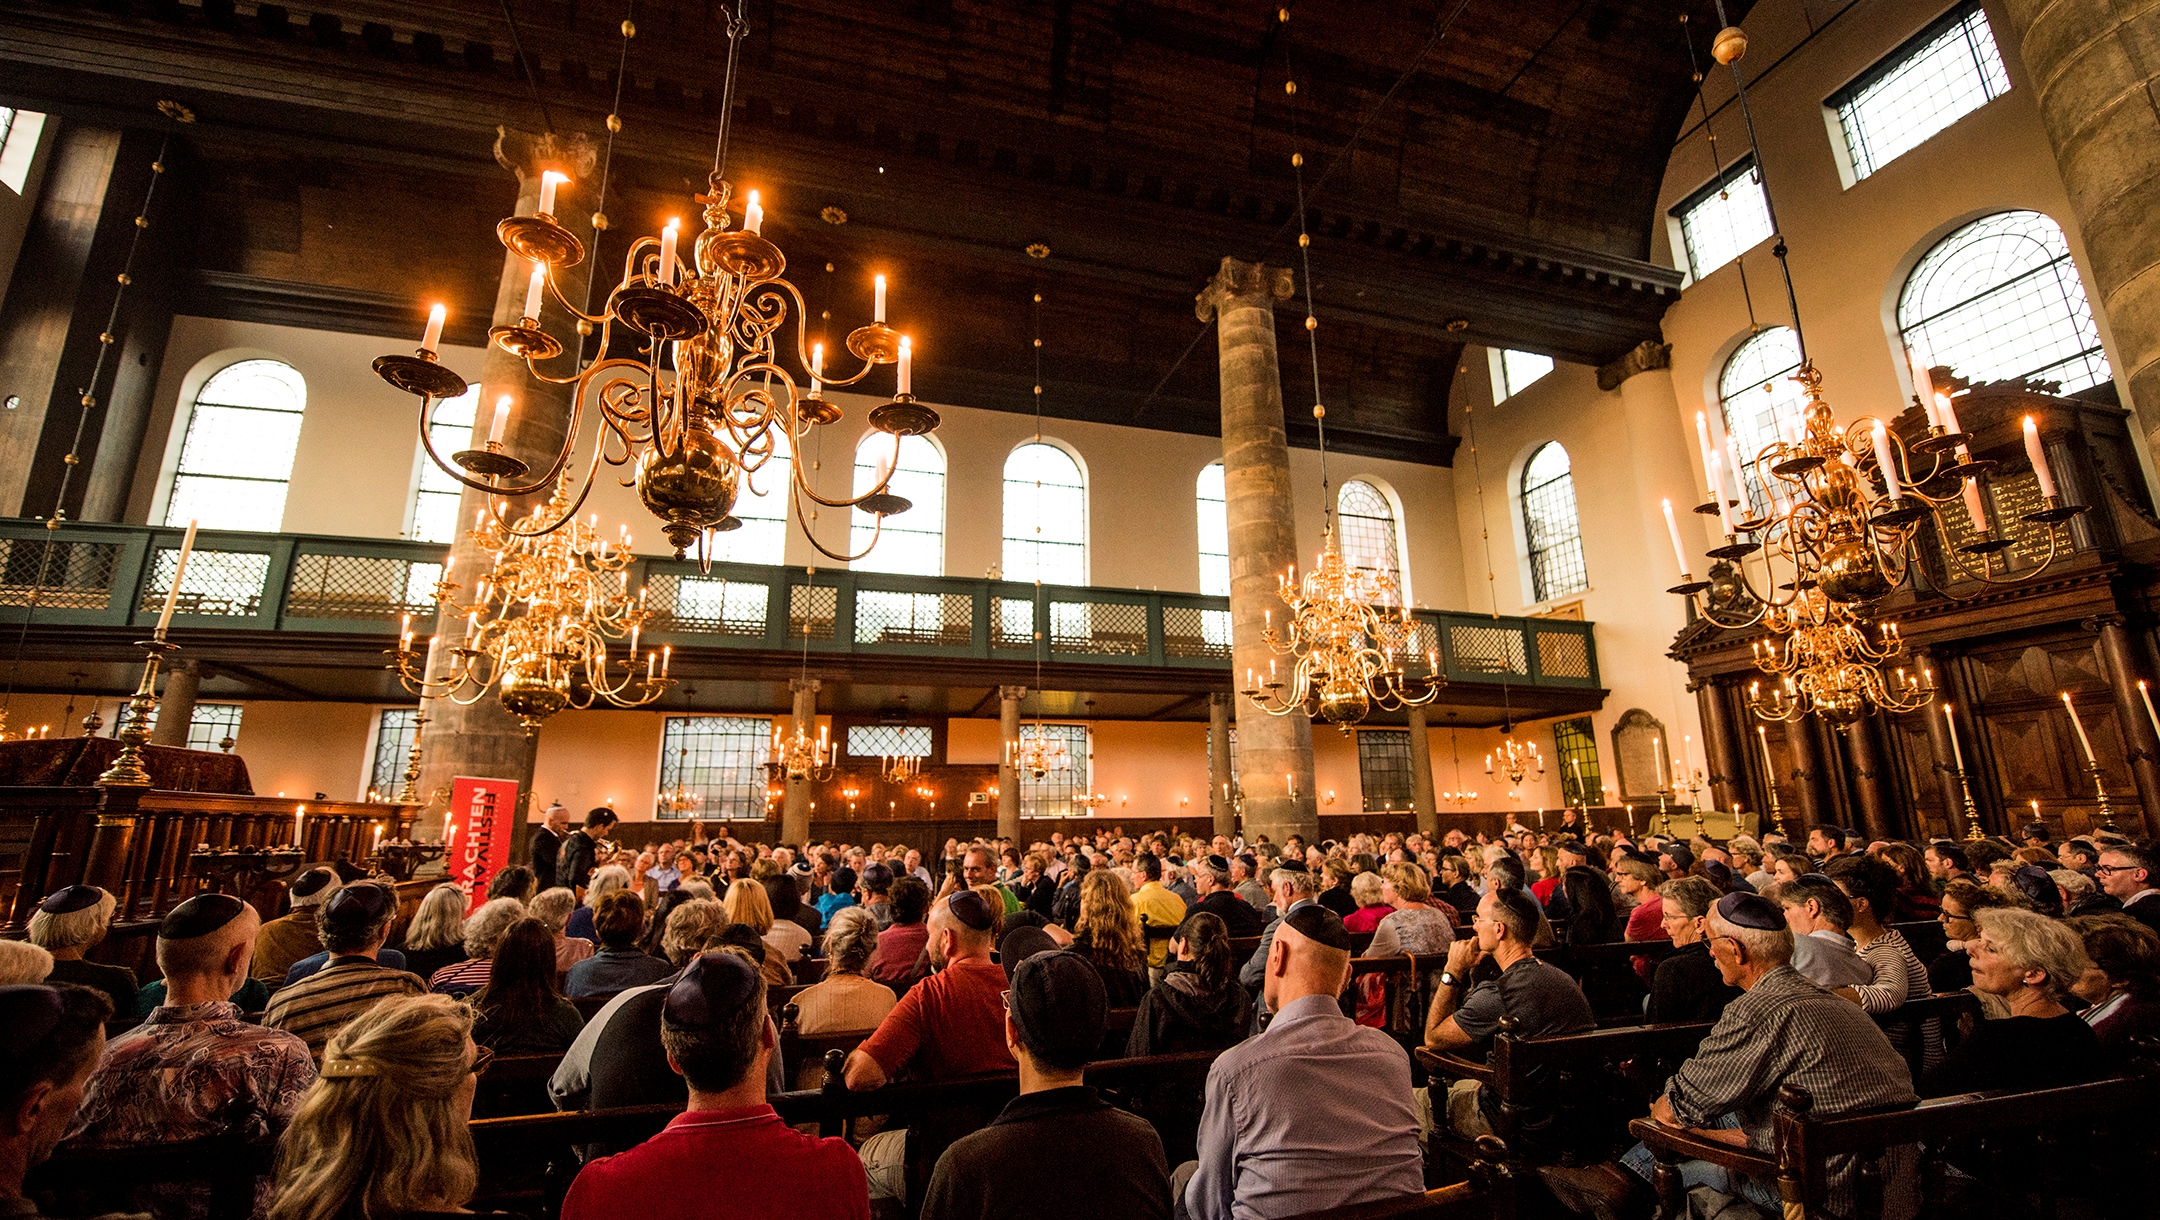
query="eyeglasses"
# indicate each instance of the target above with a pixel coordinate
(482, 1056)
(2109, 870)
(1950, 917)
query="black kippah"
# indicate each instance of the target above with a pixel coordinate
(310, 883)
(1317, 923)
(712, 987)
(200, 916)
(356, 906)
(969, 908)
(1218, 864)
(71, 899)
(1744, 910)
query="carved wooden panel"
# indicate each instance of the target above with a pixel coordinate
(1922, 792)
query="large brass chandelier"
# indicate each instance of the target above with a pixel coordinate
(1827, 663)
(538, 628)
(706, 399)
(800, 757)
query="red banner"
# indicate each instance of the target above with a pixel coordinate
(483, 813)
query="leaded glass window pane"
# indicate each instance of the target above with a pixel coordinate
(1384, 773)
(237, 456)
(1762, 405)
(1045, 516)
(720, 761)
(1052, 795)
(1944, 73)
(2000, 299)
(1725, 219)
(435, 504)
(395, 730)
(1367, 522)
(1214, 532)
(1551, 526)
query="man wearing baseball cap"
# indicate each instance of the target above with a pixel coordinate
(1054, 1018)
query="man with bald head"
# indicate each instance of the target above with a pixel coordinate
(194, 1069)
(1315, 1113)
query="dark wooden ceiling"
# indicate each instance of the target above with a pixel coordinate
(1504, 192)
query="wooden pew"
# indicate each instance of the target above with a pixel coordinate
(589, 1006)
(2095, 1141)
(1462, 1201)
(94, 1181)
(515, 1084)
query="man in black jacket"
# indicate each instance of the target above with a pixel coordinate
(1211, 879)
(547, 841)
(575, 862)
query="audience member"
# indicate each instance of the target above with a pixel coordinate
(2121, 988)
(1871, 886)
(552, 907)
(2030, 961)
(1315, 1112)
(352, 927)
(436, 936)
(1688, 985)
(1961, 900)
(1415, 926)
(1054, 1018)
(1638, 881)
(384, 1133)
(1335, 892)
(1817, 912)
(1108, 935)
(70, 923)
(716, 1036)
(618, 921)
(22, 962)
(1199, 1004)
(1455, 888)
(1157, 908)
(521, 1011)
(1946, 862)
(1245, 878)
(50, 1039)
(2126, 873)
(839, 893)
(899, 959)
(1211, 882)
(876, 888)
(579, 854)
(1293, 888)
(2079, 895)
(1371, 909)
(845, 1001)
(604, 880)
(289, 938)
(484, 933)
(746, 904)
(516, 881)
(631, 1068)
(194, 1069)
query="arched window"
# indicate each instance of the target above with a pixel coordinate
(1761, 401)
(435, 502)
(1045, 516)
(238, 454)
(761, 504)
(912, 542)
(2000, 299)
(1367, 523)
(1214, 532)
(1549, 521)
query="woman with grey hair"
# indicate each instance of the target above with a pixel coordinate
(436, 936)
(70, 923)
(484, 934)
(552, 908)
(2030, 961)
(845, 1001)
(605, 880)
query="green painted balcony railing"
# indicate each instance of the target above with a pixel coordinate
(117, 576)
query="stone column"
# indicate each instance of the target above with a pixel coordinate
(1874, 795)
(1275, 759)
(795, 801)
(2095, 78)
(1421, 781)
(1224, 809)
(176, 709)
(2119, 661)
(1008, 805)
(482, 739)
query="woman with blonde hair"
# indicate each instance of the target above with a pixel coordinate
(436, 936)
(1415, 926)
(746, 904)
(1108, 935)
(2031, 962)
(383, 1132)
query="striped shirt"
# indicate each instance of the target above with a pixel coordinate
(462, 978)
(1899, 977)
(318, 1006)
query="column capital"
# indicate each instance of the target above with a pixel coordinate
(805, 685)
(528, 154)
(1642, 358)
(1011, 694)
(1237, 279)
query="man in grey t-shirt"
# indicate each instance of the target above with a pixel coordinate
(1542, 999)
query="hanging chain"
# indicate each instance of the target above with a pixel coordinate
(1717, 171)
(738, 24)
(1304, 241)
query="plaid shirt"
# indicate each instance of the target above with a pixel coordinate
(192, 1072)
(1786, 1030)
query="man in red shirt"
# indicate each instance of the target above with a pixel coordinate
(950, 1024)
(713, 1026)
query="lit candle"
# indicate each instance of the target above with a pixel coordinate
(2146, 695)
(446, 830)
(501, 422)
(817, 369)
(1975, 507)
(907, 366)
(1947, 413)
(2035, 809)
(1770, 768)
(1924, 389)
(1290, 782)
(634, 627)
(1679, 552)
(877, 307)
(1883, 459)
(297, 814)
(532, 291)
(2038, 455)
(667, 251)
(2079, 725)
(1957, 752)
(666, 651)
(377, 845)
(548, 182)
(433, 336)
(753, 216)
(172, 595)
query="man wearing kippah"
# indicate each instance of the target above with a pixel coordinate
(194, 1069)
(1782, 1030)
(289, 938)
(352, 928)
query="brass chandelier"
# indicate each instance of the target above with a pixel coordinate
(538, 628)
(1829, 665)
(1514, 760)
(800, 757)
(707, 398)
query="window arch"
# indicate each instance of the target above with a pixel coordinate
(1550, 524)
(1045, 516)
(761, 504)
(912, 542)
(1214, 508)
(237, 457)
(1366, 521)
(2000, 299)
(1760, 401)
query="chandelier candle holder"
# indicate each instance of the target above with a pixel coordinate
(1038, 755)
(2092, 764)
(900, 768)
(537, 631)
(801, 758)
(1516, 760)
(1828, 664)
(1348, 647)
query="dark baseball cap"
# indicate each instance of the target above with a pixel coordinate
(1058, 1006)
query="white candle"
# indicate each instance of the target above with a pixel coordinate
(296, 816)
(652, 660)
(378, 837)
(446, 830)
(753, 216)
(548, 182)
(1769, 767)
(667, 251)
(502, 420)
(172, 595)
(877, 307)
(1946, 413)
(1657, 752)
(907, 366)
(1924, 388)
(1956, 752)
(666, 651)
(1679, 552)
(1975, 508)
(2146, 695)
(2038, 455)
(533, 289)
(1717, 494)
(817, 369)
(1883, 459)
(1702, 441)
(2079, 725)
(433, 337)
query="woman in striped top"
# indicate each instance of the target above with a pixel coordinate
(1873, 886)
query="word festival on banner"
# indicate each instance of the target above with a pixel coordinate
(477, 834)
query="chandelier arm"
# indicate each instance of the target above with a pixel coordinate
(802, 353)
(555, 290)
(585, 487)
(876, 530)
(803, 485)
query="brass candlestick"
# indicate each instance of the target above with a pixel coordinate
(2107, 812)
(1972, 815)
(127, 770)
(410, 793)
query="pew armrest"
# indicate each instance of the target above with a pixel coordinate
(1678, 1144)
(1455, 1067)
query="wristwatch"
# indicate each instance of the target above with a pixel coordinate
(1448, 979)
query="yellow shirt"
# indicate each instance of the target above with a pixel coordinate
(1161, 909)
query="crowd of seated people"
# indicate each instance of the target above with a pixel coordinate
(351, 1037)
